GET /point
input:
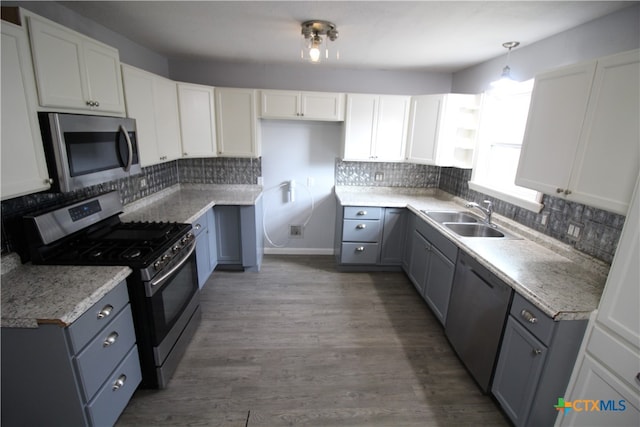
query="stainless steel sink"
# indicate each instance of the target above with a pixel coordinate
(451, 216)
(478, 230)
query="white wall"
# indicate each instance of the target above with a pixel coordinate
(299, 150)
(309, 77)
(130, 53)
(617, 32)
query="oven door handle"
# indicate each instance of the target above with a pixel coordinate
(164, 277)
(129, 146)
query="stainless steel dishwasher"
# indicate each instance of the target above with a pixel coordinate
(478, 309)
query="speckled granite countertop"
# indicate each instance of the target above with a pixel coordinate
(560, 281)
(39, 294)
(186, 202)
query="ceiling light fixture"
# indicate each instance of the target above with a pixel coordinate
(315, 43)
(505, 77)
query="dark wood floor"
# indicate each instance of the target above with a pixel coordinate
(300, 344)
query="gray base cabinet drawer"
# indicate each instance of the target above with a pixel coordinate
(534, 320)
(359, 253)
(114, 395)
(361, 231)
(94, 319)
(360, 212)
(108, 348)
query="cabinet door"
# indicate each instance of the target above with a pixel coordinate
(197, 120)
(437, 289)
(418, 261)
(556, 115)
(281, 104)
(236, 122)
(597, 383)
(104, 79)
(229, 246)
(391, 128)
(24, 169)
(167, 118)
(423, 129)
(322, 106)
(140, 102)
(213, 248)
(393, 236)
(518, 370)
(58, 59)
(608, 159)
(360, 121)
(202, 257)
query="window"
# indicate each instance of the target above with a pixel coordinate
(502, 124)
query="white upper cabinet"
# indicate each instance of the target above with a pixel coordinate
(582, 140)
(24, 169)
(197, 120)
(285, 104)
(375, 127)
(442, 129)
(238, 130)
(153, 101)
(73, 71)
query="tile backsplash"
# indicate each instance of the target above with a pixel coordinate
(599, 230)
(378, 174)
(220, 170)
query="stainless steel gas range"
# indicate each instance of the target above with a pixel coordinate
(163, 288)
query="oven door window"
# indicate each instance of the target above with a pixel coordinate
(90, 152)
(169, 302)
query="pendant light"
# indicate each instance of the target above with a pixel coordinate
(505, 79)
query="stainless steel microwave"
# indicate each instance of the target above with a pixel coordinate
(85, 150)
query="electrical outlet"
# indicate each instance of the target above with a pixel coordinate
(295, 230)
(143, 183)
(574, 230)
(379, 176)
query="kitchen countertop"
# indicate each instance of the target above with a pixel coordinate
(187, 202)
(44, 294)
(562, 282)
(53, 294)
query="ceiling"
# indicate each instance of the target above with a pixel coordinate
(438, 36)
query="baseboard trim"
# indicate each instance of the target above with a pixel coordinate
(298, 251)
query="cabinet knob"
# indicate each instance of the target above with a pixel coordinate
(361, 213)
(567, 192)
(559, 190)
(537, 352)
(90, 103)
(360, 249)
(119, 383)
(361, 226)
(97, 104)
(197, 227)
(48, 181)
(111, 339)
(528, 316)
(106, 311)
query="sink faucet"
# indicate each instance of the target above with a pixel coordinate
(486, 211)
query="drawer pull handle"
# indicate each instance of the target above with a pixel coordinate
(111, 339)
(361, 213)
(119, 383)
(198, 227)
(528, 316)
(361, 226)
(537, 352)
(106, 311)
(360, 249)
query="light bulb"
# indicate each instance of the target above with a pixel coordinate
(314, 54)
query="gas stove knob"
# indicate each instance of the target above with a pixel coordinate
(157, 265)
(165, 257)
(176, 248)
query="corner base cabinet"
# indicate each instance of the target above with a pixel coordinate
(80, 375)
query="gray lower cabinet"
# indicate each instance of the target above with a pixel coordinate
(431, 266)
(203, 230)
(239, 236)
(80, 375)
(535, 362)
(370, 236)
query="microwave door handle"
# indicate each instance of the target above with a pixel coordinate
(129, 146)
